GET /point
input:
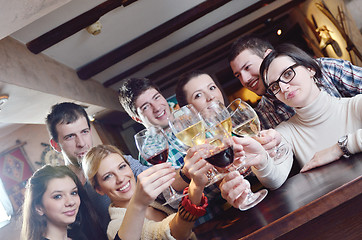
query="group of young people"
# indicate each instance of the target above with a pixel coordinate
(103, 194)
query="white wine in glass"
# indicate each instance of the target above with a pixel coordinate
(246, 123)
(217, 113)
(249, 128)
(187, 134)
(185, 123)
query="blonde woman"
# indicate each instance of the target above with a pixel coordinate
(133, 211)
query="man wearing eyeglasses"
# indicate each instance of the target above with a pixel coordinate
(247, 53)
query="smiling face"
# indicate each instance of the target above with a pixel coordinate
(246, 67)
(201, 90)
(75, 140)
(60, 202)
(301, 90)
(115, 179)
(152, 108)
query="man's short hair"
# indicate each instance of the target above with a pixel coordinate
(130, 90)
(64, 113)
(254, 44)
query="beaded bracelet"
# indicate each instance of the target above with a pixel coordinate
(184, 177)
(189, 211)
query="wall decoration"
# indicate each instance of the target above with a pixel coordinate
(326, 39)
(350, 45)
(172, 101)
(50, 156)
(15, 170)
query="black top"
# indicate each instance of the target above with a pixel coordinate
(100, 203)
(117, 237)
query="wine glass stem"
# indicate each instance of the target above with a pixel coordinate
(249, 198)
(173, 192)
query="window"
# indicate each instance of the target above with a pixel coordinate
(6, 209)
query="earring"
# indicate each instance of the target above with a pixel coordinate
(39, 211)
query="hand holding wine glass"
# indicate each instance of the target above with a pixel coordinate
(185, 123)
(152, 182)
(245, 122)
(218, 151)
(153, 147)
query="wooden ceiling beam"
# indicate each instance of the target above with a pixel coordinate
(187, 42)
(157, 76)
(89, 70)
(171, 80)
(73, 26)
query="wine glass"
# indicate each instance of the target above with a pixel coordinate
(245, 122)
(218, 151)
(153, 146)
(185, 123)
(217, 113)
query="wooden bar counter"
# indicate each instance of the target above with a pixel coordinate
(324, 203)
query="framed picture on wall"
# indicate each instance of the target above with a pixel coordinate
(173, 103)
(15, 169)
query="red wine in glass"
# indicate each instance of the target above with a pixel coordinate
(158, 158)
(223, 158)
(152, 144)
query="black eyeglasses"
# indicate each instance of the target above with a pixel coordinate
(285, 77)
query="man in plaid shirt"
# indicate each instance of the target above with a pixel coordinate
(340, 78)
(144, 103)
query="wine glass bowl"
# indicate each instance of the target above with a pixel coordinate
(153, 146)
(245, 121)
(217, 146)
(185, 123)
(216, 113)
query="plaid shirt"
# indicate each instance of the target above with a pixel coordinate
(339, 78)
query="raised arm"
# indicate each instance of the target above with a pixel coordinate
(193, 205)
(150, 183)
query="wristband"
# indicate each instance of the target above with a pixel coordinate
(197, 211)
(184, 177)
(190, 212)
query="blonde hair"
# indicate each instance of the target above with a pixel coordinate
(93, 158)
